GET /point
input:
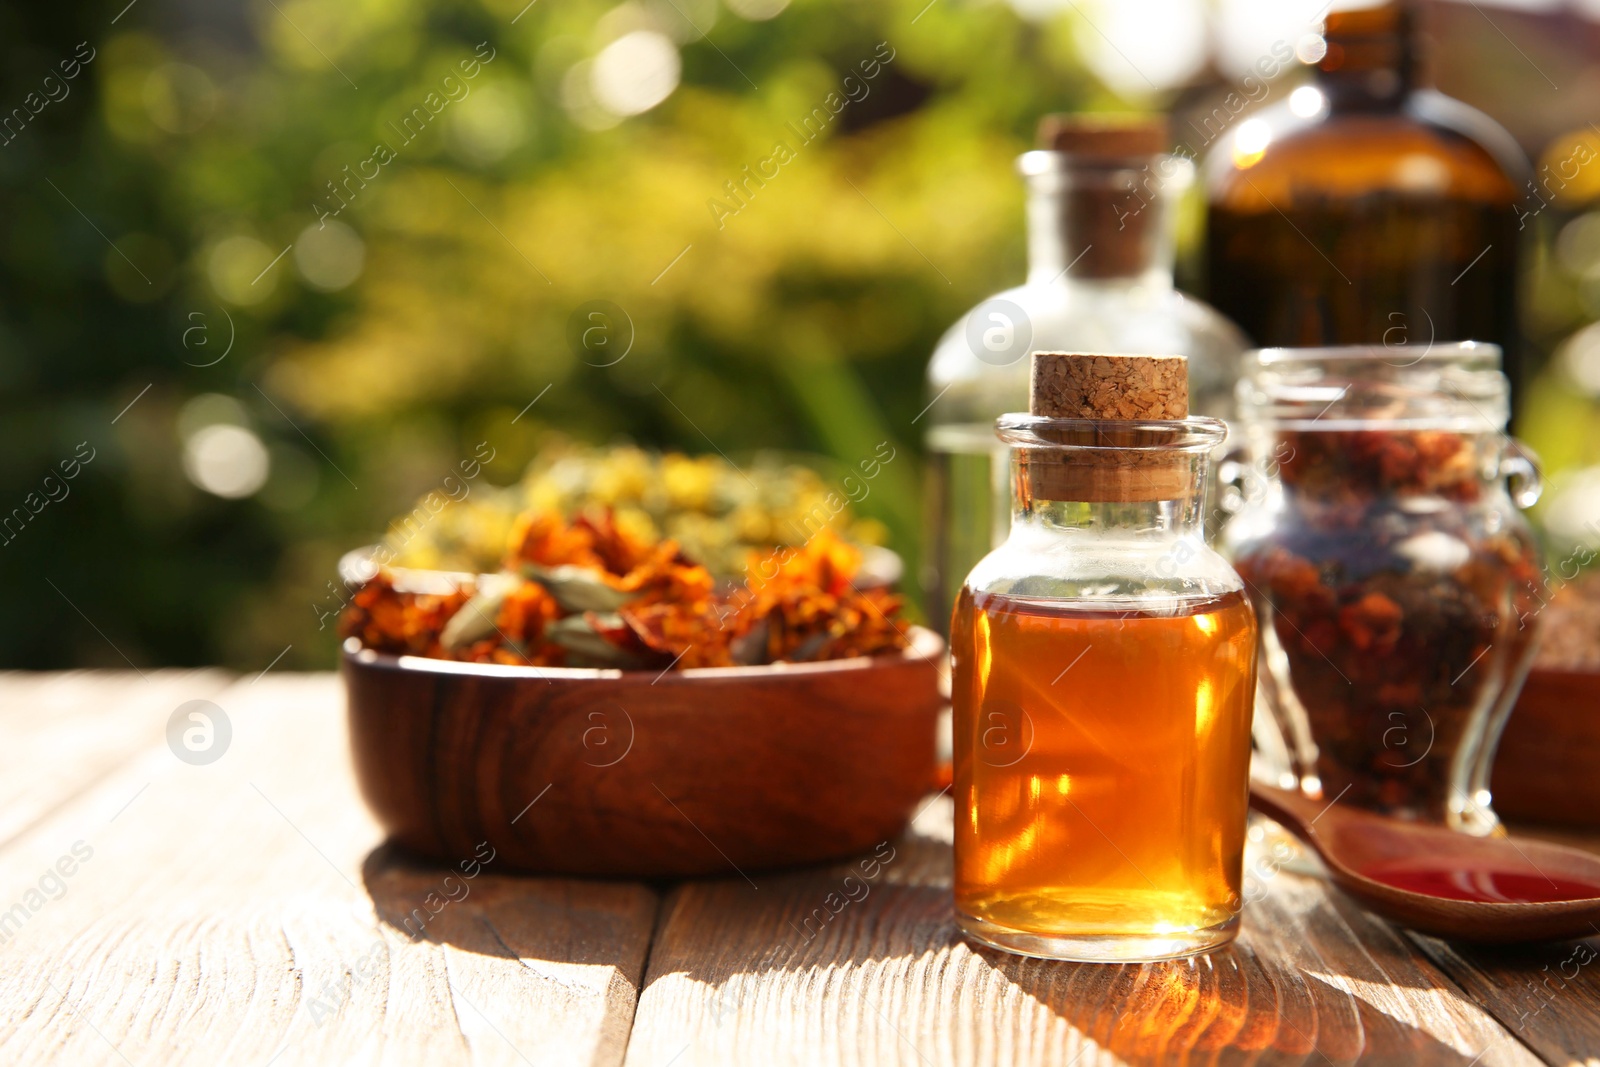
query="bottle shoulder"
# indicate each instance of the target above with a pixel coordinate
(1431, 146)
(968, 381)
(1085, 564)
(1451, 116)
(1119, 317)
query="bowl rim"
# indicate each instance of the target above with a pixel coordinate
(925, 645)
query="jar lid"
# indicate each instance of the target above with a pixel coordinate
(1456, 386)
(1474, 354)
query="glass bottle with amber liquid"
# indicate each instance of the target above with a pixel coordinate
(1103, 198)
(1103, 662)
(1367, 207)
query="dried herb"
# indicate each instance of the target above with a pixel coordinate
(1351, 465)
(590, 593)
(1401, 600)
(716, 512)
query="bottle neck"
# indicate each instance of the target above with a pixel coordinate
(1164, 519)
(1102, 221)
(1374, 58)
(1158, 496)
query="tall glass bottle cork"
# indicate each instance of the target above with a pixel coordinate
(1104, 672)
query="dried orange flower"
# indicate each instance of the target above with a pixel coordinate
(587, 593)
(388, 620)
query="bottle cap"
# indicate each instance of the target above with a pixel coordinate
(1109, 463)
(1104, 136)
(1384, 19)
(1386, 40)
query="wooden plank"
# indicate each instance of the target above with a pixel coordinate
(64, 732)
(736, 976)
(246, 910)
(1547, 996)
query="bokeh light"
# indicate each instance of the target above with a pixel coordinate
(757, 10)
(329, 255)
(225, 460)
(1306, 101)
(492, 125)
(238, 270)
(580, 102)
(1572, 515)
(1250, 141)
(636, 72)
(1248, 30)
(1579, 357)
(1143, 48)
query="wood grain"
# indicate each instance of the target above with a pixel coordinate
(249, 912)
(734, 979)
(242, 911)
(649, 774)
(60, 739)
(1545, 995)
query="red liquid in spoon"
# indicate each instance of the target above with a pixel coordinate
(1489, 887)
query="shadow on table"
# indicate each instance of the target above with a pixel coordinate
(476, 909)
(1297, 986)
(1307, 980)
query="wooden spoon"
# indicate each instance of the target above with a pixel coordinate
(1486, 889)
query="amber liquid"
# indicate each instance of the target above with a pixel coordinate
(1101, 763)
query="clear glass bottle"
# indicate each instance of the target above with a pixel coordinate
(1103, 664)
(1102, 213)
(1397, 584)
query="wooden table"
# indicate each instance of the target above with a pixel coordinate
(247, 912)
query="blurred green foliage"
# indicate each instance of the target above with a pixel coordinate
(170, 258)
(143, 213)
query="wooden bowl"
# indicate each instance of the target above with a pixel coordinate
(1544, 769)
(716, 771)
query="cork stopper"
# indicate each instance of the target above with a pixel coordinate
(1110, 220)
(1092, 385)
(1105, 137)
(1109, 389)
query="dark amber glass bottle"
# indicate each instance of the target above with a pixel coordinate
(1367, 207)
